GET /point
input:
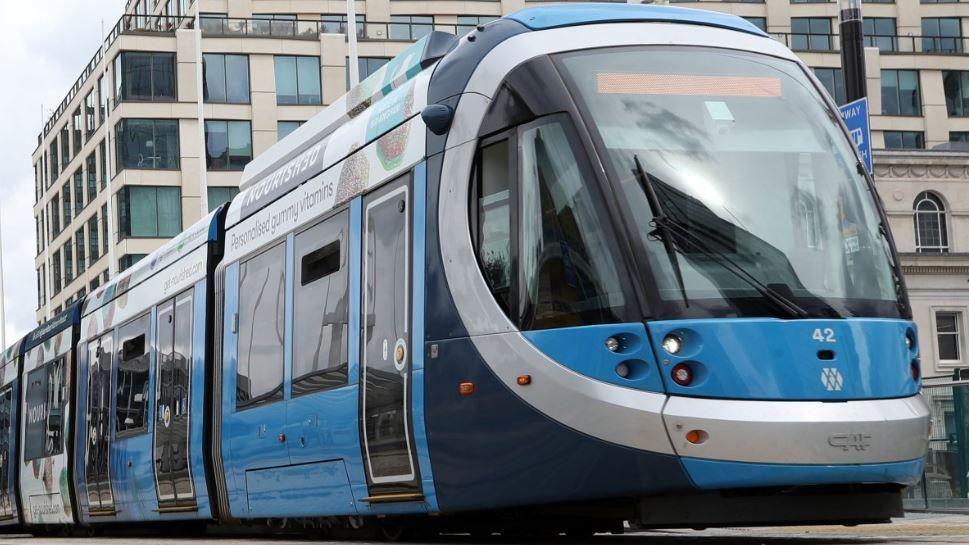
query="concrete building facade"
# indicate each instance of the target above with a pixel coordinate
(129, 128)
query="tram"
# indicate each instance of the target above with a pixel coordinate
(588, 264)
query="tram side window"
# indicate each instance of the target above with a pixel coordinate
(133, 377)
(493, 209)
(46, 397)
(320, 307)
(262, 288)
(561, 248)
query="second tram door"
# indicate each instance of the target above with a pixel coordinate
(96, 451)
(389, 458)
(173, 477)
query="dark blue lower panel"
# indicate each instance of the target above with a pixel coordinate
(717, 474)
(491, 449)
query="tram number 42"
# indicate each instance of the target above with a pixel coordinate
(825, 335)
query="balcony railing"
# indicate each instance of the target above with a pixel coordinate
(127, 24)
(890, 44)
(235, 27)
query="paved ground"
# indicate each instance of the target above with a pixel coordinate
(916, 528)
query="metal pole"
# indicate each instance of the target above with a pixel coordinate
(852, 49)
(3, 298)
(203, 168)
(353, 62)
(109, 219)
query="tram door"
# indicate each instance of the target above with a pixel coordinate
(173, 476)
(389, 457)
(96, 451)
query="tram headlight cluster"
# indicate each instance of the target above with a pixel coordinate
(672, 344)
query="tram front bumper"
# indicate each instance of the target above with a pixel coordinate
(741, 443)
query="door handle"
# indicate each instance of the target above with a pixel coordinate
(302, 441)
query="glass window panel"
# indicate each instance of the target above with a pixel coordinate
(570, 277)
(237, 78)
(214, 89)
(216, 145)
(286, 89)
(284, 128)
(240, 144)
(308, 79)
(321, 307)
(131, 401)
(262, 282)
(220, 195)
(169, 211)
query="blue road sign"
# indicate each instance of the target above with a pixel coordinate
(855, 116)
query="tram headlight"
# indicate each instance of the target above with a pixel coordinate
(612, 344)
(672, 344)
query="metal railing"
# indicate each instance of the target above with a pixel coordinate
(235, 27)
(929, 45)
(944, 484)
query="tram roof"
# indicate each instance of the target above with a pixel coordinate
(563, 15)
(200, 233)
(68, 317)
(11, 353)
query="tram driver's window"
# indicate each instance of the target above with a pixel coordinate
(492, 206)
(262, 326)
(320, 300)
(133, 377)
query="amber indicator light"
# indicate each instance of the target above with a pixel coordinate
(524, 380)
(466, 388)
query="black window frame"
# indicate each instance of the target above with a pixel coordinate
(118, 64)
(208, 57)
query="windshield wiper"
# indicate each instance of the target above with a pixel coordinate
(669, 226)
(660, 219)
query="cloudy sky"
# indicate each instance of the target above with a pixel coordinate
(40, 57)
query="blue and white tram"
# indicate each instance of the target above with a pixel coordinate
(588, 263)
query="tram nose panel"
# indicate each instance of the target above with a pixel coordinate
(772, 359)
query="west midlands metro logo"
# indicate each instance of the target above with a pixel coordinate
(832, 379)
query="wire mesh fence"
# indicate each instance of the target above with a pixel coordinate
(945, 479)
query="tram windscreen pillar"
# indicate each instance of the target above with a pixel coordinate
(852, 49)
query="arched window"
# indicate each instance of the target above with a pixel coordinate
(931, 233)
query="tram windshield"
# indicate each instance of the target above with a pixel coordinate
(744, 189)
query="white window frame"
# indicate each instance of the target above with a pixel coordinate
(960, 313)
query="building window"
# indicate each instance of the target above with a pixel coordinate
(931, 230)
(144, 76)
(467, 23)
(149, 212)
(103, 164)
(131, 401)
(833, 80)
(147, 144)
(89, 123)
(77, 123)
(337, 24)
(297, 80)
(55, 215)
(68, 263)
(226, 78)
(956, 86)
(79, 250)
(900, 93)
(78, 192)
(811, 34)
(102, 100)
(66, 204)
(942, 35)
(262, 289)
(759, 22)
(56, 259)
(221, 195)
(104, 231)
(284, 128)
(65, 146)
(959, 136)
(91, 164)
(904, 139)
(54, 163)
(228, 144)
(128, 260)
(367, 66)
(93, 249)
(948, 332)
(409, 28)
(880, 32)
